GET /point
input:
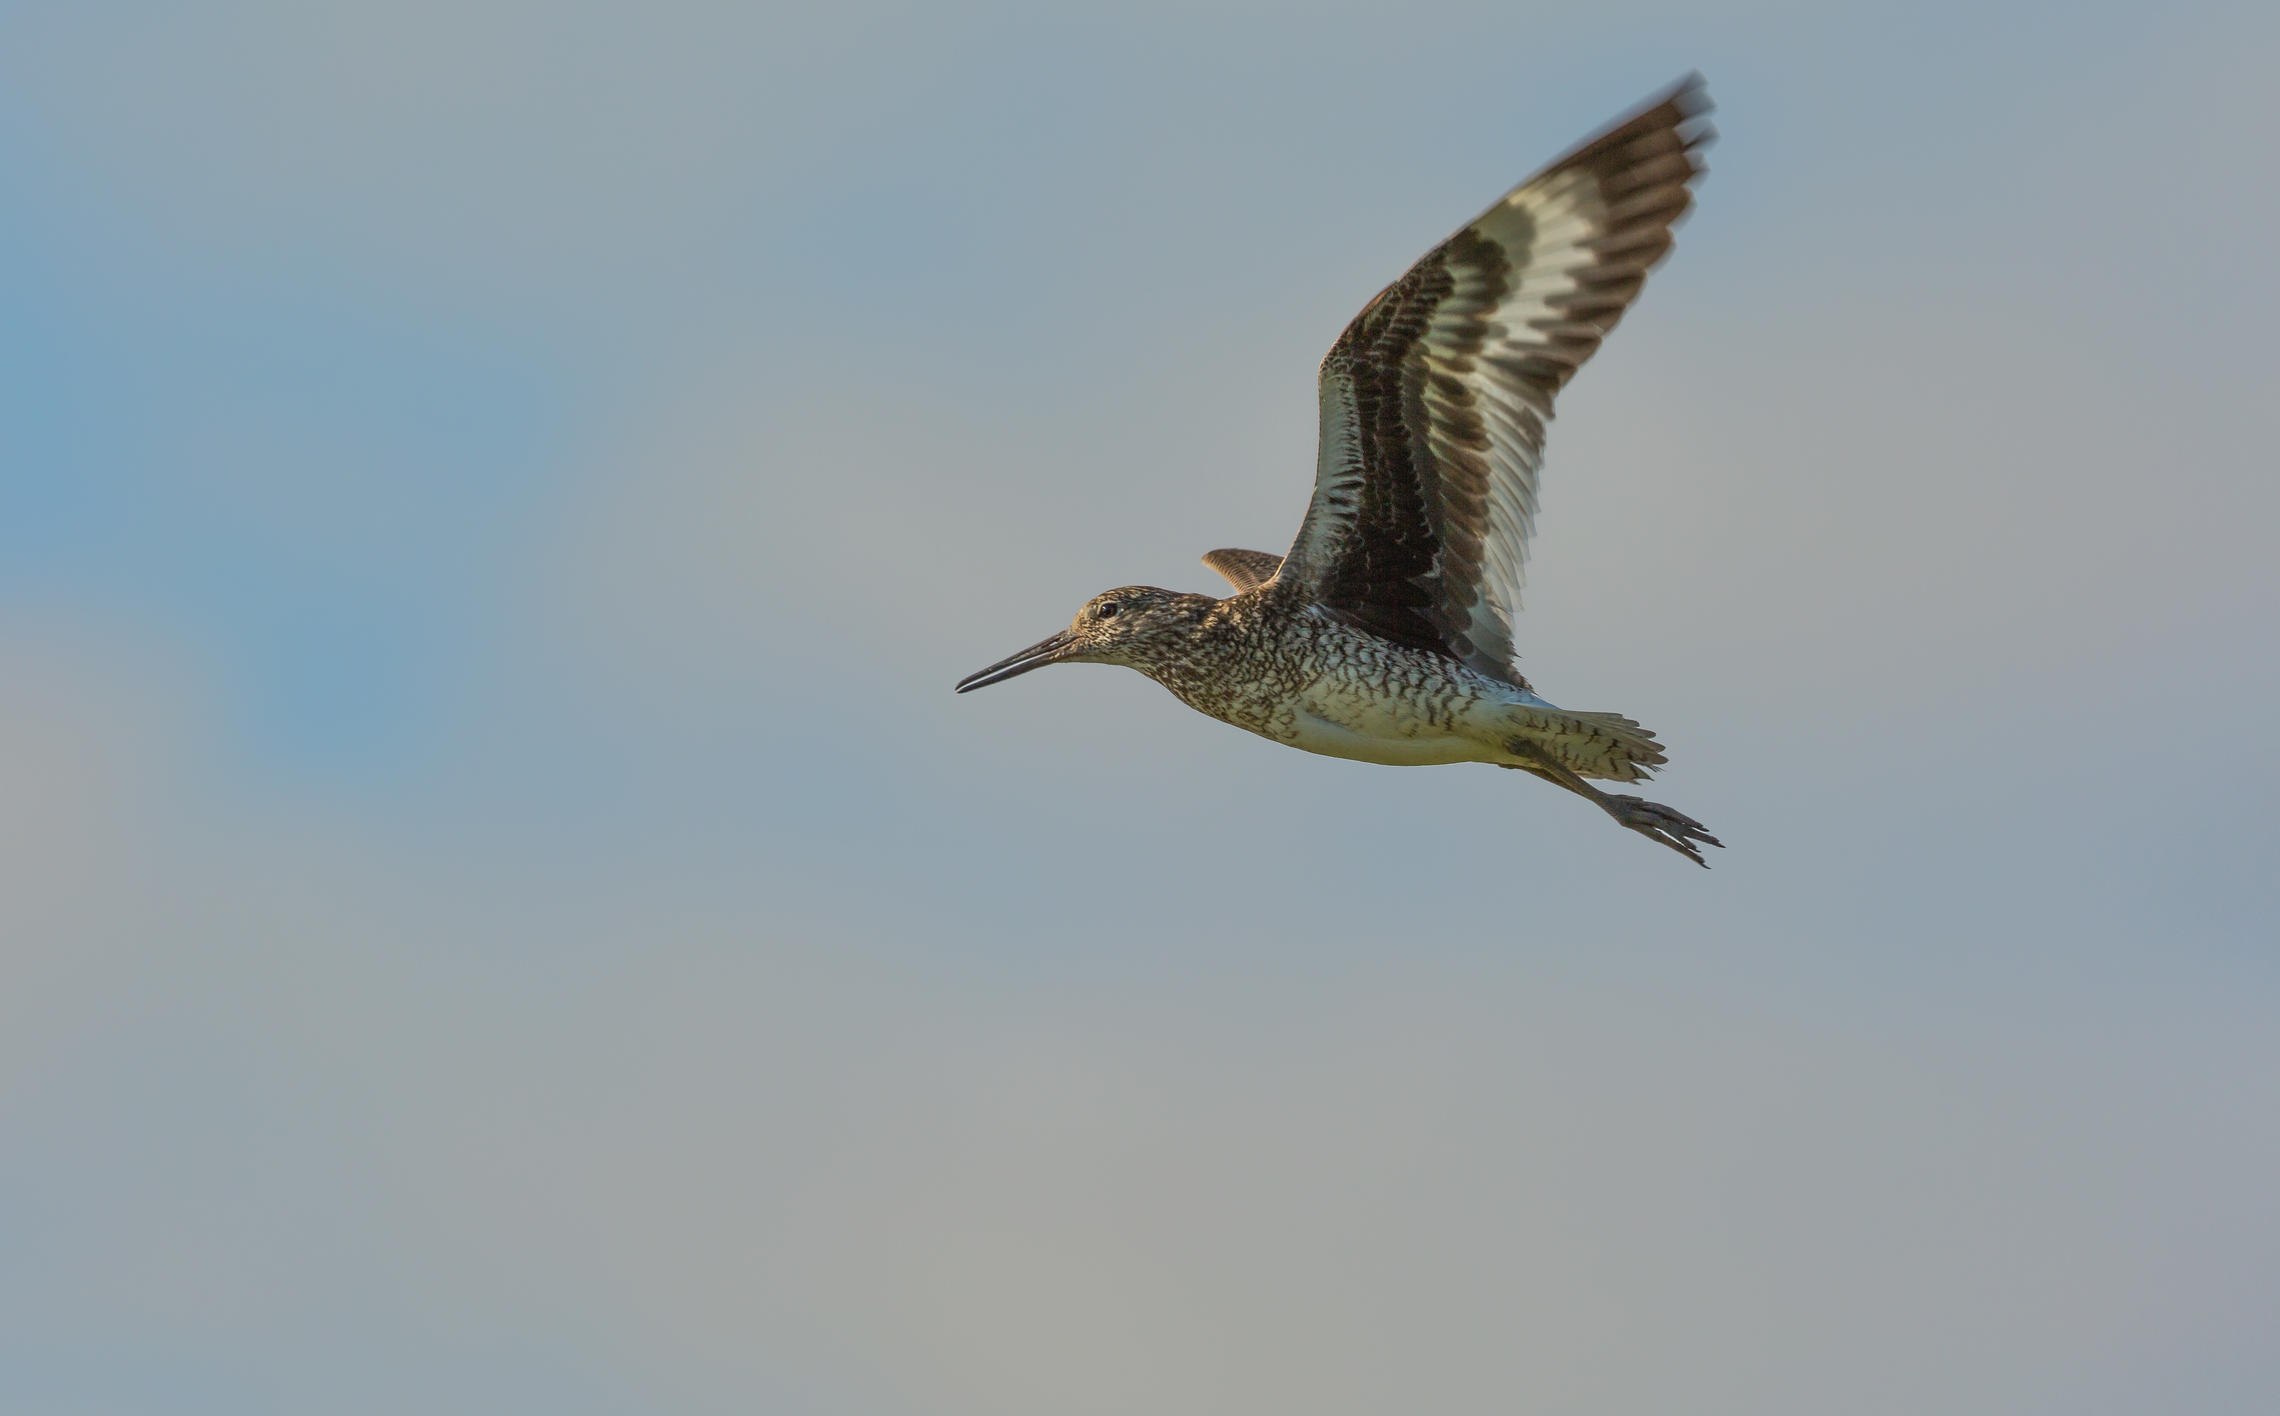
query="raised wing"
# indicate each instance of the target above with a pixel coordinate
(1434, 400)
(1245, 570)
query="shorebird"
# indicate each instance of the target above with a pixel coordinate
(1385, 634)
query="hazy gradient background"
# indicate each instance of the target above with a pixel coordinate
(500, 910)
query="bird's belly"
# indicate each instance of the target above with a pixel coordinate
(1390, 734)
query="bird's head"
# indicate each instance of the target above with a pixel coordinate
(1136, 625)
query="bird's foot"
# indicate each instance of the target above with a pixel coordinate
(1660, 823)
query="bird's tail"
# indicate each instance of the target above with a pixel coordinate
(1607, 746)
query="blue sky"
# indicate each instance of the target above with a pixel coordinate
(499, 908)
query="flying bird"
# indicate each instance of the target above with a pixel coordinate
(1385, 633)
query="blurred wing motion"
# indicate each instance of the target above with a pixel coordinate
(1434, 400)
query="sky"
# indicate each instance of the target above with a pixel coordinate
(500, 910)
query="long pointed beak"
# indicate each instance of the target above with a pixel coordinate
(1036, 656)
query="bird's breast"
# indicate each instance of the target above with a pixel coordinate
(1319, 685)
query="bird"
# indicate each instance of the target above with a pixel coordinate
(1385, 633)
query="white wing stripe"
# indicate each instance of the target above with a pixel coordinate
(1454, 369)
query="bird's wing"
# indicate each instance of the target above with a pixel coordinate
(1434, 399)
(1245, 570)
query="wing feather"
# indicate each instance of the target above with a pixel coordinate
(1245, 570)
(1435, 399)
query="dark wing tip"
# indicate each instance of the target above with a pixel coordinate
(1682, 110)
(1691, 104)
(1689, 100)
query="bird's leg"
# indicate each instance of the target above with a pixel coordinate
(1650, 819)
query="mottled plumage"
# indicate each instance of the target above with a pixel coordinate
(1385, 634)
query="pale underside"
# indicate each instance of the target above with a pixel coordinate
(1338, 718)
(1361, 698)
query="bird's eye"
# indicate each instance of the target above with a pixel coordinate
(1106, 610)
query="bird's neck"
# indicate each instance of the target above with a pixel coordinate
(1225, 656)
